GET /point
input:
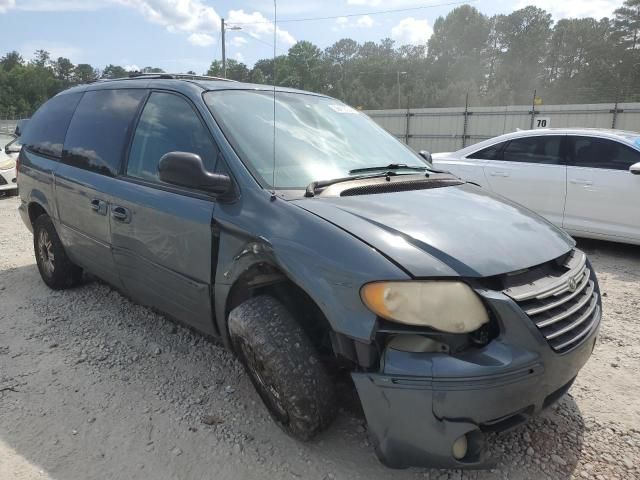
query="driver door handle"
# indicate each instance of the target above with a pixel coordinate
(121, 214)
(497, 173)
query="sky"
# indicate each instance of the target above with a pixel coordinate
(183, 35)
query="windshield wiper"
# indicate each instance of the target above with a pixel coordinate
(313, 186)
(390, 167)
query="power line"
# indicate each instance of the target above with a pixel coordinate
(349, 15)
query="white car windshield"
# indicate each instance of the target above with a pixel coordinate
(317, 138)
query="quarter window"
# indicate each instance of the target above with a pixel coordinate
(44, 134)
(602, 153)
(494, 152)
(539, 149)
(98, 131)
(168, 124)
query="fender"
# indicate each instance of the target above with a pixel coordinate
(329, 264)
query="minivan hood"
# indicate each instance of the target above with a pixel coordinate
(449, 231)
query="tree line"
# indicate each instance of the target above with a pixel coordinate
(497, 60)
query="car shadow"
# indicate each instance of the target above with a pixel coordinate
(105, 388)
(620, 260)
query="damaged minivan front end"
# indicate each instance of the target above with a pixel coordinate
(490, 327)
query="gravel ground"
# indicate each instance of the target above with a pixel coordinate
(93, 386)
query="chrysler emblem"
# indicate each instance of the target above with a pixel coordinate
(572, 284)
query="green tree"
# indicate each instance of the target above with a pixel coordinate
(11, 60)
(114, 71)
(85, 73)
(63, 69)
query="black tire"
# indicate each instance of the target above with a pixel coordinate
(283, 366)
(56, 270)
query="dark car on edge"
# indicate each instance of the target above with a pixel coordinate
(297, 231)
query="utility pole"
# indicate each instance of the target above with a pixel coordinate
(224, 53)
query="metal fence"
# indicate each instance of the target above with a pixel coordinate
(450, 129)
(8, 125)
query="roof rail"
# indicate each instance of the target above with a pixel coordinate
(167, 76)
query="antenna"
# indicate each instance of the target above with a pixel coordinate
(275, 27)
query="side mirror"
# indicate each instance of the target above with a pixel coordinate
(20, 127)
(635, 168)
(187, 170)
(427, 156)
(11, 147)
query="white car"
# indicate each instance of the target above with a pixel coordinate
(586, 181)
(8, 155)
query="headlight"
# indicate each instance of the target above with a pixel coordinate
(7, 164)
(448, 306)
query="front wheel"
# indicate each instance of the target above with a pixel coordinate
(56, 270)
(283, 366)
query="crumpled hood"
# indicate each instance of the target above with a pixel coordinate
(449, 231)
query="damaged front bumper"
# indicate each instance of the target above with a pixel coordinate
(420, 404)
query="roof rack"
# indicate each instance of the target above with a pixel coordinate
(167, 76)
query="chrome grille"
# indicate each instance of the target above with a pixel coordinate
(563, 305)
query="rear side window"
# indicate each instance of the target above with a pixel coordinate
(540, 149)
(98, 131)
(494, 152)
(168, 124)
(602, 153)
(44, 134)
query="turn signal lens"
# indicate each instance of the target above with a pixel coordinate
(448, 306)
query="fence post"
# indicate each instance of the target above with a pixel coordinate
(615, 109)
(466, 120)
(533, 110)
(406, 127)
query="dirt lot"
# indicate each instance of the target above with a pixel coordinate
(93, 386)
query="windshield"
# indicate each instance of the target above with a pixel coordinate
(317, 138)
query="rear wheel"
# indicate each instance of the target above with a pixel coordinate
(283, 366)
(56, 270)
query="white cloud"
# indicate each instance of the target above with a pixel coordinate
(6, 5)
(191, 16)
(591, 8)
(364, 21)
(239, 57)
(237, 41)
(201, 39)
(412, 31)
(132, 68)
(258, 26)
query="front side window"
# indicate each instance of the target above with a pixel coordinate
(316, 138)
(539, 149)
(168, 124)
(44, 134)
(98, 131)
(596, 152)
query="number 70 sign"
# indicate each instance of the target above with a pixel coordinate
(541, 122)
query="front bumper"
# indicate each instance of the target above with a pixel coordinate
(419, 404)
(8, 179)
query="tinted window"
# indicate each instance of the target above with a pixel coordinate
(542, 149)
(602, 153)
(45, 132)
(494, 152)
(98, 130)
(168, 124)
